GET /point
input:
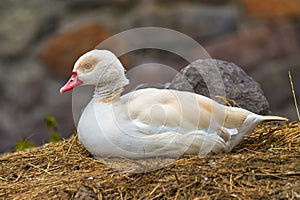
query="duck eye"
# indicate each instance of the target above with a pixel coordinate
(87, 66)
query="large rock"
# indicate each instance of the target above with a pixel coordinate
(202, 22)
(252, 46)
(28, 95)
(22, 22)
(273, 8)
(274, 79)
(66, 46)
(238, 86)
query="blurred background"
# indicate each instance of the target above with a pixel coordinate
(40, 41)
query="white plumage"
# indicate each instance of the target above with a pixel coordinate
(152, 122)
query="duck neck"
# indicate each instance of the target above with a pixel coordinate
(106, 93)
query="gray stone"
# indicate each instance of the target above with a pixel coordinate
(28, 95)
(274, 79)
(22, 21)
(252, 45)
(216, 78)
(202, 22)
(22, 82)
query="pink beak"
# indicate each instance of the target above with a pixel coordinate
(72, 82)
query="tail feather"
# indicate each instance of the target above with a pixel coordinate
(249, 125)
(274, 118)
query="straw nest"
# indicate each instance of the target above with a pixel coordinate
(266, 165)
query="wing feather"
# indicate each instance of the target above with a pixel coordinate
(170, 110)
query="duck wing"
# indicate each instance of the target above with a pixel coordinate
(158, 111)
(161, 110)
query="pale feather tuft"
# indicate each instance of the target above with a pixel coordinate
(274, 118)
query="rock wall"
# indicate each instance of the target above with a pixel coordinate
(40, 40)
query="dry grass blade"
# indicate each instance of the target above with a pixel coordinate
(265, 165)
(228, 101)
(294, 95)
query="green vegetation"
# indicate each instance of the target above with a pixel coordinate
(52, 127)
(23, 144)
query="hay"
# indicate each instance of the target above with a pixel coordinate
(266, 165)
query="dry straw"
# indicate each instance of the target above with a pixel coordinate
(266, 165)
(294, 95)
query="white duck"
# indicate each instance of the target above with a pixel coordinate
(152, 122)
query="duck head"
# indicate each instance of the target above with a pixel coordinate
(97, 67)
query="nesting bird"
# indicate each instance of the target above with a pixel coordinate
(152, 122)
